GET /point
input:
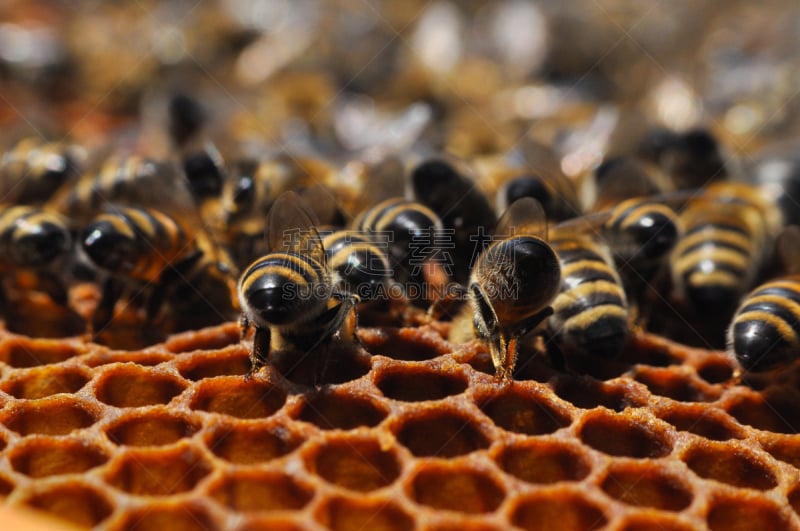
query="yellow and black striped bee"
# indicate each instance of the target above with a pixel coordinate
(513, 282)
(691, 158)
(149, 250)
(35, 240)
(289, 295)
(34, 170)
(415, 240)
(620, 178)
(358, 266)
(765, 331)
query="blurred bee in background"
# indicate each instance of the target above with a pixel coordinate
(691, 159)
(512, 284)
(289, 295)
(765, 331)
(34, 170)
(624, 177)
(775, 170)
(443, 186)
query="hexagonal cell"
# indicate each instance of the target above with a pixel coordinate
(651, 521)
(338, 362)
(134, 386)
(588, 393)
(646, 485)
(58, 415)
(738, 513)
(441, 434)
(622, 436)
(709, 423)
(255, 490)
(677, 386)
(776, 412)
(238, 397)
(731, 465)
(418, 384)
(521, 411)
(73, 501)
(248, 444)
(43, 382)
(6, 486)
(153, 428)
(184, 516)
(347, 514)
(43, 456)
(158, 472)
(23, 353)
(199, 367)
(330, 410)
(538, 461)
(214, 338)
(456, 488)
(716, 371)
(786, 449)
(406, 344)
(557, 509)
(355, 463)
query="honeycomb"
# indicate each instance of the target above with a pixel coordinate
(411, 433)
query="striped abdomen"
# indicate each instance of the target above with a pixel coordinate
(284, 289)
(361, 267)
(765, 331)
(135, 242)
(33, 170)
(591, 311)
(642, 232)
(31, 237)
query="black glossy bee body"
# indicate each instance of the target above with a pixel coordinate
(512, 284)
(590, 314)
(33, 170)
(288, 295)
(691, 158)
(36, 240)
(414, 237)
(358, 265)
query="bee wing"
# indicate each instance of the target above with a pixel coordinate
(624, 177)
(788, 246)
(292, 227)
(319, 200)
(525, 216)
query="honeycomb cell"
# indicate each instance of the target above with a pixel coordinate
(457, 488)
(272, 521)
(786, 449)
(358, 464)
(58, 415)
(588, 393)
(214, 338)
(255, 490)
(238, 397)
(418, 384)
(153, 428)
(622, 436)
(77, 503)
(544, 462)
(521, 411)
(43, 457)
(349, 514)
(731, 465)
(651, 522)
(646, 485)
(404, 344)
(198, 367)
(248, 444)
(715, 371)
(158, 472)
(737, 514)
(133, 386)
(766, 411)
(175, 517)
(562, 510)
(6, 486)
(441, 434)
(331, 410)
(22, 353)
(708, 423)
(46, 381)
(677, 386)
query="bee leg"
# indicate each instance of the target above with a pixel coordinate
(104, 312)
(533, 321)
(335, 318)
(54, 287)
(258, 356)
(244, 327)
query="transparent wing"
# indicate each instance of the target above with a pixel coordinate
(523, 217)
(292, 227)
(788, 246)
(319, 200)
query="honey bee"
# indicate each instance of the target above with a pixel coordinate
(34, 169)
(411, 231)
(512, 284)
(289, 295)
(36, 240)
(765, 331)
(623, 177)
(691, 159)
(359, 266)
